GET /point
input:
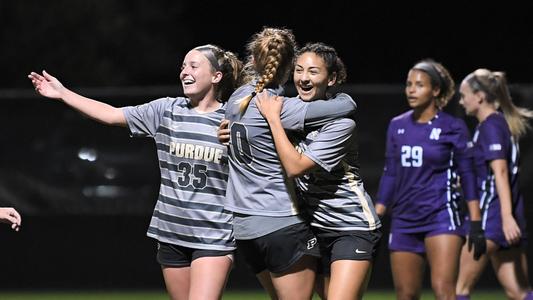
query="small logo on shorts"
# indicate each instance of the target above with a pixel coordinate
(311, 243)
(359, 251)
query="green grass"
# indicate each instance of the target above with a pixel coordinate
(229, 295)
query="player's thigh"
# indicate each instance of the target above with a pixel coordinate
(443, 253)
(177, 281)
(407, 271)
(298, 281)
(209, 275)
(348, 278)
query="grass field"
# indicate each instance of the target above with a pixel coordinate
(230, 295)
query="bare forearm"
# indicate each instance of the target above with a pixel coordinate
(504, 193)
(99, 111)
(474, 211)
(500, 171)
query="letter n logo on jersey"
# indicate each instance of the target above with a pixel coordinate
(435, 133)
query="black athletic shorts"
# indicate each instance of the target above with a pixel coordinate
(346, 245)
(279, 250)
(178, 256)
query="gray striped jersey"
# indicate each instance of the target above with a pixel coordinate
(333, 194)
(257, 184)
(194, 171)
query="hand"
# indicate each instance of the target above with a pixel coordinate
(10, 216)
(46, 85)
(269, 105)
(476, 239)
(381, 210)
(223, 132)
(511, 230)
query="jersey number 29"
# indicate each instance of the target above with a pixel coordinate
(412, 156)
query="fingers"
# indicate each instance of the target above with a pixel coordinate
(513, 234)
(223, 136)
(223, 124)
(36, 80)
(48, 76)
(35, 76)
(15, 227)
(10, 215)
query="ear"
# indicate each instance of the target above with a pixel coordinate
(435, 92)
(332, 79)
(480, 96)
(217, 76)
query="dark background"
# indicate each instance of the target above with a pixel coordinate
(86, 191)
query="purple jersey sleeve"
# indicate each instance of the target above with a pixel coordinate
(387, 181)
(494, 141)
(464, 160)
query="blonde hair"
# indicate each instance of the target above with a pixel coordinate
(494, 85)
(440, 77)
(270, 60)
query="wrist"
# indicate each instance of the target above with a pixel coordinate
(476, 226)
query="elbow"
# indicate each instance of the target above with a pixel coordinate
(292, 175)
(294, 172)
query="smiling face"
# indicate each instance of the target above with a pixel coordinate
(197, 77)
(418, 89)
(311, 77)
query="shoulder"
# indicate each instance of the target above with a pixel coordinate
(241, 92)
(345, 124)
(452, 122)
(179, 101)
(495, 123)
(401, 118)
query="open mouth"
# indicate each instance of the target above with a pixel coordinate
(188, 81)
(306, 88)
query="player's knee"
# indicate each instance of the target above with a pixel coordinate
(442, 288)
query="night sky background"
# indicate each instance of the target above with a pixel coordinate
(117, 43)
(129, 52)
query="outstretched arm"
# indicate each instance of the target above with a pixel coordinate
(48, 86)
(10, 216)
(294, 163)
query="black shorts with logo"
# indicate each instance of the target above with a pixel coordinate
(178, 256)
(345, 245)
(279, 250)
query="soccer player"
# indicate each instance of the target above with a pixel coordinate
(485, 95)
(326, 169)
(193, 230)
(269, 229)
(425, 149)
(10, 216)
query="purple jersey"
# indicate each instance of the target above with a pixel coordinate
(419, 183)
(493, 140)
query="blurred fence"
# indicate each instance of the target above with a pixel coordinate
(86, 191)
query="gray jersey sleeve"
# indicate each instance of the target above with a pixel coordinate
(321, 112)
(330, 144)
(143, 120)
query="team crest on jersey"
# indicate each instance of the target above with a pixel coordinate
(435, 134)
